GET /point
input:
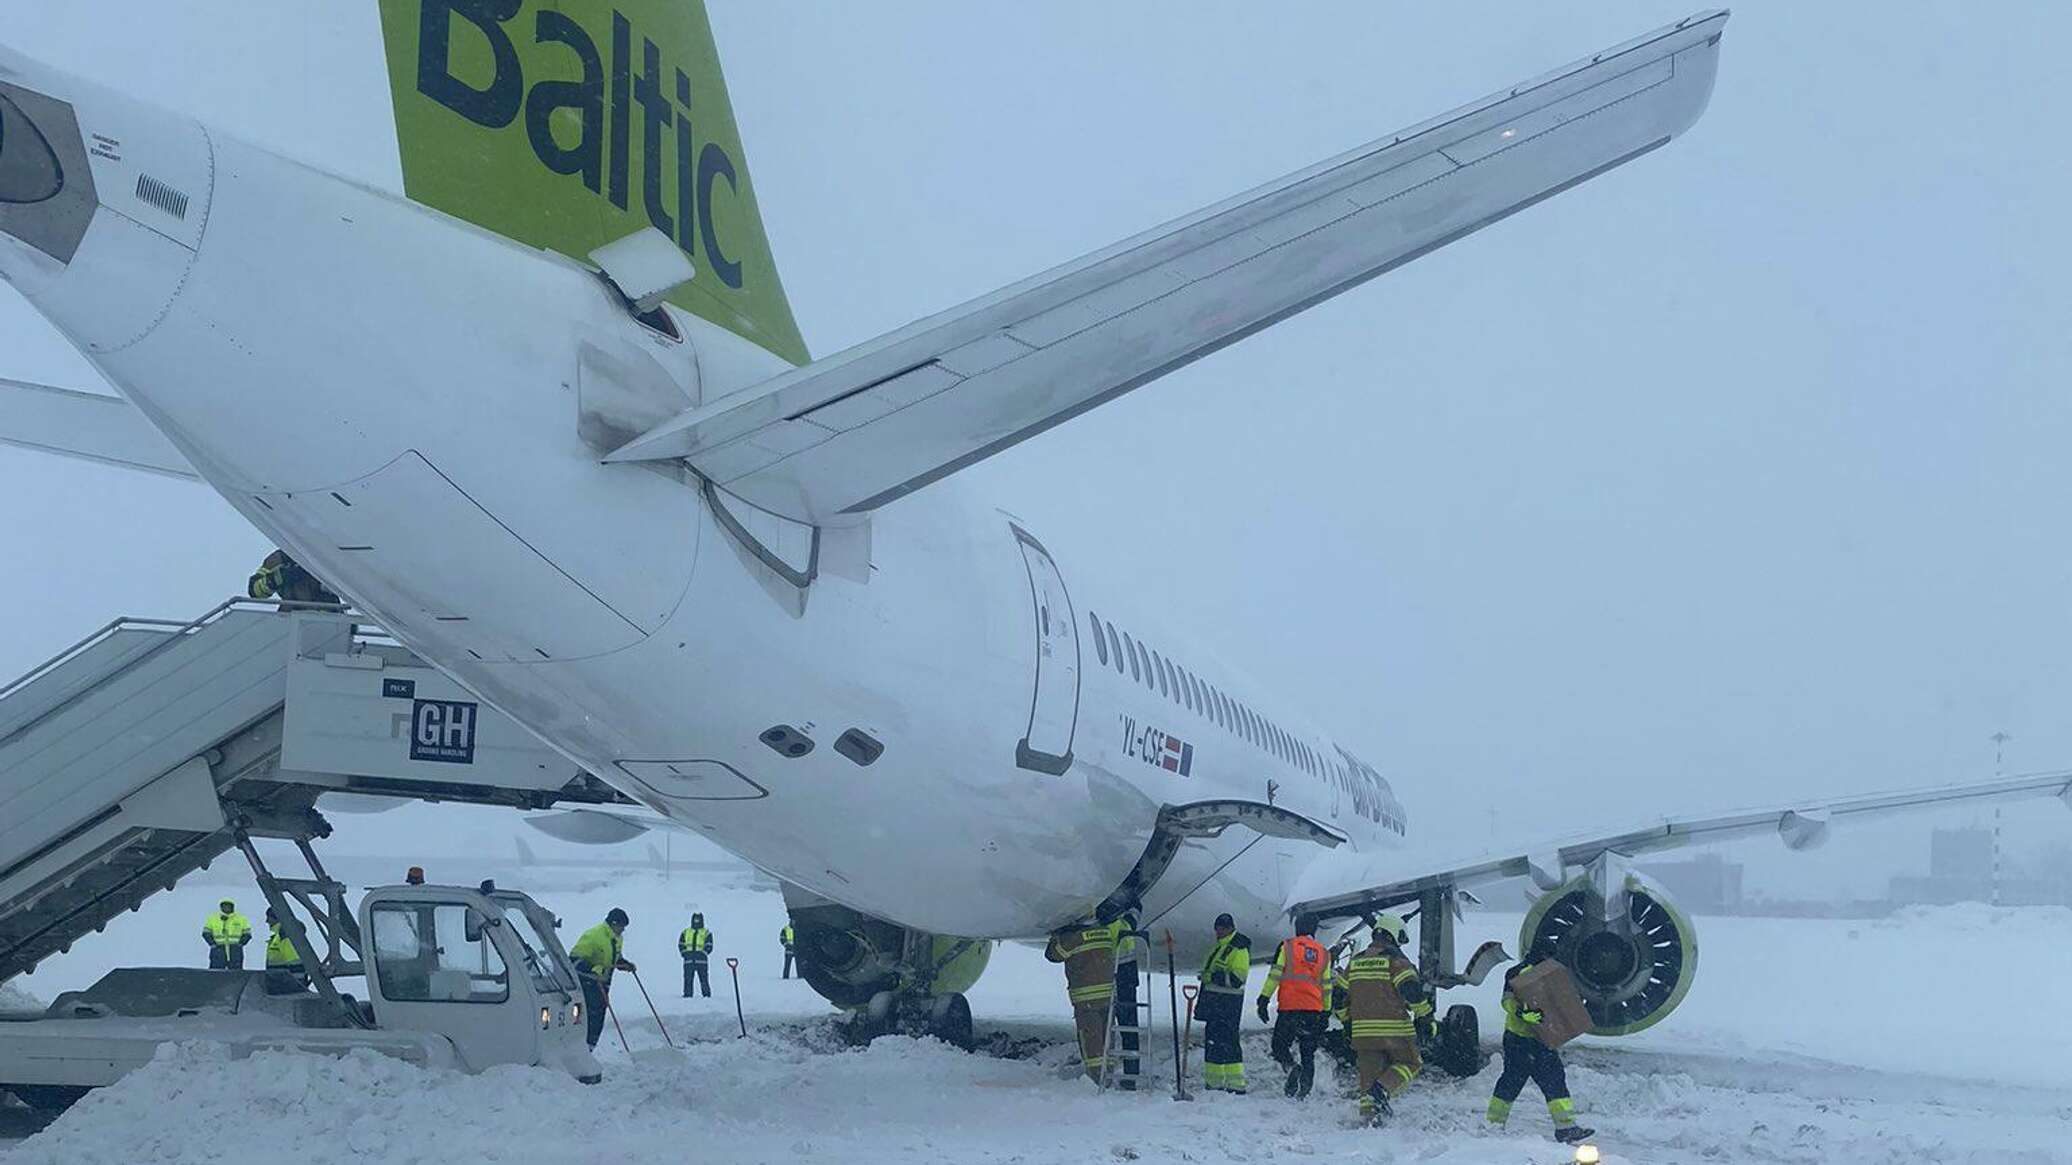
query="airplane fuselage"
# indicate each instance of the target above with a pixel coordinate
(393, 395)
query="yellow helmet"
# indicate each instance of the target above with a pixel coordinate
(1393, 927)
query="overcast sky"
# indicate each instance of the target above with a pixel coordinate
(1735, 476)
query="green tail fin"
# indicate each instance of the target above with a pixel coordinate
(569, 124)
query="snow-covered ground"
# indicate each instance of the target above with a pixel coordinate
(1935, 1036)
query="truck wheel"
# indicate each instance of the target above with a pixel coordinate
(949, 1020)
(1460, 1041)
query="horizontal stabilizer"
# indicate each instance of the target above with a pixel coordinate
(86, 425)
(592, 826)
(847, 434)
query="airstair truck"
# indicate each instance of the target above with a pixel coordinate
(455, 978)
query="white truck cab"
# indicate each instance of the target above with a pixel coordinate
(485, 971)
(456, 978)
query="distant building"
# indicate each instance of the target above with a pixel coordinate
(1960, 869)
(1706, 884)
(1960, 853)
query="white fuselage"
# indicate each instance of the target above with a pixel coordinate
(392, 395)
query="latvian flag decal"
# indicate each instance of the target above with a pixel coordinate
(1178, 756)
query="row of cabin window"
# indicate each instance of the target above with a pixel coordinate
(1130, 657)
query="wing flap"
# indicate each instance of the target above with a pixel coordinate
(872, 424)
(85, 425)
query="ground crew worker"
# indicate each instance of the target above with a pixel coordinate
(1300, 966)
(599, 952)
(281, 577)
(1222, 1006)
(284, 974)
(1526, 1058)
(790, 940)
(226, 932)
(1090, 976)
(1383, 993)
(695, 945)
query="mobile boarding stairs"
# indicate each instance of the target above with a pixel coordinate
(151, 748)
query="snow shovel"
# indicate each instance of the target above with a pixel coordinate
(734, 969)
(651, 1008)
(1191, 991)
(610, 1011)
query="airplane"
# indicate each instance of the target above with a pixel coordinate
(548, 418)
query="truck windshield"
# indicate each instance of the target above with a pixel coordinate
(546, 971)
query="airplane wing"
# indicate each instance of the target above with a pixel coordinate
(849, 433)
(87, 425)
(1339, 885)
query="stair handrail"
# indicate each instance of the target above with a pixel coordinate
(172, 630)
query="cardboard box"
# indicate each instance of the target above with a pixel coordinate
(1547, 989)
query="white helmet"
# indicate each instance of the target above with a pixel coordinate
(1393, 927)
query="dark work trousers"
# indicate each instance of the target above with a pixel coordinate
(1525, 1059)
(1220, 1013)
(787, 963)
(593, 1008)
(1338, 1044)
(222, 958)
(695, 969)
(1292, 1030)
(1127, 1018)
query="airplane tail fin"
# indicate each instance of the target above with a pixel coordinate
(570, 124)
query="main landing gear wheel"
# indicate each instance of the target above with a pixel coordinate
(873, 1019)
(949, 1020)
(1459, 1042)
(946, 1017)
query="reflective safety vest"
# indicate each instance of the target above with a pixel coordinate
(279, 951)
(1229, 965)
(1299, 971)
(696, 942)
(1515, 1022)
(226, 930)
(786, 937)
(598, 950)
(1089, 958)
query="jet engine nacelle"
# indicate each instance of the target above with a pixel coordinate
(1632, 966)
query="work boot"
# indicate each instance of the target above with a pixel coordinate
(1293, 1084)
(1574, 1134)
(1380, 1113)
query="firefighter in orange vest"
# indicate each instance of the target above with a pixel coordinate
(1300, 968)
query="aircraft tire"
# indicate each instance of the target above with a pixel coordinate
(949, 1020)
(1460, 1042)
